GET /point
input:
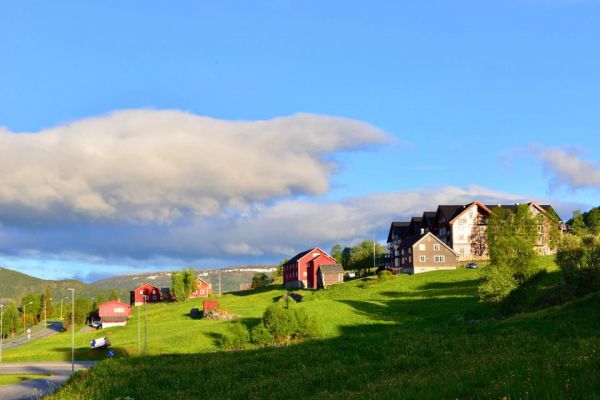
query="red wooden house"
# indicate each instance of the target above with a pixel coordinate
(112, 313)
(301, 270)
(145, 293)
(204, 289)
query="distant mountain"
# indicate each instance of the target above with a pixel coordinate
(14, 285)
(232, 278)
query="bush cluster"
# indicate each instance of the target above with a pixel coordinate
(579, 261)
(282, 323)
(384, 275)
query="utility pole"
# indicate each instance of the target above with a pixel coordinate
(72, 329)
(24, 308)
(219, 283)
(1, 330)
(139, 322)
(145, 328)
(374, 253)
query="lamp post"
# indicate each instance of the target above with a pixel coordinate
(61, 307)
(24, 307)
(145, 327)
(1, 330)
(72, 329)
(45, 316)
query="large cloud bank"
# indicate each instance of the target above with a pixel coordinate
(567, 168)
(157, 165)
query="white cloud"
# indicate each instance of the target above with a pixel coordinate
(568, 168)
(148, 165)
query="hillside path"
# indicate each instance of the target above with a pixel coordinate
(53, 328)
(37, 388)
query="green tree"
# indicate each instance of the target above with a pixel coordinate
(178, 286)
(237, 337)
(577, 223)
(336, 252)
(83, 307)
(112, 295)
(47, 302)
(190, 283)
(579, 261)
(593, 221)
(31, 305)
(261, 279)
(11, 320)
(345, 258)
(361, 257)
(511, 240)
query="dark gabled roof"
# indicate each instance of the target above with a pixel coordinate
(331, 269)
(451, 211)
(416, 219)
(399, 228)
(429, 218)
(299, 256)
(410, 240)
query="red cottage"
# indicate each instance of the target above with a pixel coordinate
(204, 289)
(113, 313)
(301, 270)
(152, 293)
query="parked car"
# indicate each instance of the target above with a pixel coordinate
(472, 266)
(350, 275)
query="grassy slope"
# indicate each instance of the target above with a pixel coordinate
(424, 336)
(18, 378)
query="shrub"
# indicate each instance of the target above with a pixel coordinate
(497, 283)
(261, 336)
(385, 275)
(285, 322)
(579, 261)
(237, 338)
(261, 279)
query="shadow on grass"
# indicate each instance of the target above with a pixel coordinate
(427, 358)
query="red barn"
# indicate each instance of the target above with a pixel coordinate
(301, 270)
(113, 313)
(204, 289)
(151, 292)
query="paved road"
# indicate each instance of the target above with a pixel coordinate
(37, 388)
(52, 329)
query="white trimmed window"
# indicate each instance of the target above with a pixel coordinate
(436, 247)
(422, 258)
(439, 258)
(421, 246)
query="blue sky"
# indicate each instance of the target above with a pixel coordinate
(449, 101)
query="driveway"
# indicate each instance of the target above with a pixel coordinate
(37, 388)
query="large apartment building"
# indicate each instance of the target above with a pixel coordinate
(463, 228)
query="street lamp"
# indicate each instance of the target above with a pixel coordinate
(61, 307)
(45, 316)
(145, 326)
(72, 329)
(24, 307)
(1, 330)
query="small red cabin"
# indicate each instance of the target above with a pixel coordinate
(145, 293)
(113, 313)
(301, 270)
(204, 289)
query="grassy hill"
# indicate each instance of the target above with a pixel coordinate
(14, 285)
(423, 336)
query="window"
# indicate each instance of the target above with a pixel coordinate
(304, 273)
(422, 247)
(202, 291)
(439, 258)
(119, 310)
(402, 251)
(436, 247)
(141, 292)
(409, 250)
(409, 258)
(422, 258)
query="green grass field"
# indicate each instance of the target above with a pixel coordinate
(423, 336)
(18, 378)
